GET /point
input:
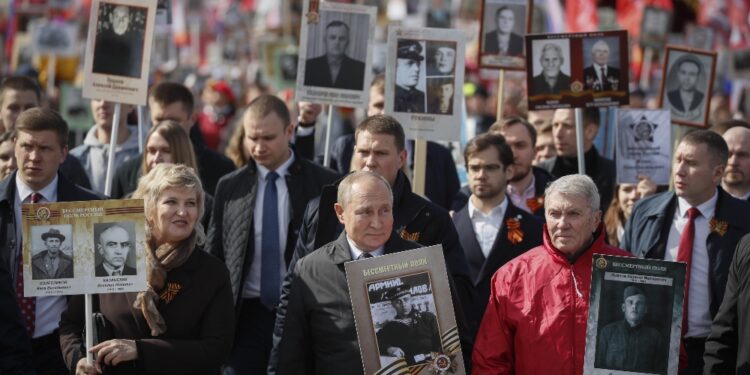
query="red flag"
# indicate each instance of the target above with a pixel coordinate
(581, 15)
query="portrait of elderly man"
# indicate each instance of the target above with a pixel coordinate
(441, 58)
(686, 101)
(601, 76)
(118, 49)
(113, 246)
(630, 344)
(503, 40)
(546, 334)
(411, 334)
(52, 262)
(551, 80)
(335, 68)
(408, 97)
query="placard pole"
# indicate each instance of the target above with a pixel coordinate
(327, 151)
(89, 311)
(51, 72)
(579, 140)
(420, 165)
(112, 146)
(500, 95)
(648, 55)
(140, 128)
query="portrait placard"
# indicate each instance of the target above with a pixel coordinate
(118, 51)
(634, 300)
(54, 38)
(644, 145)
(269, 49)
(404, 314)
(335, 53)
(504, 24)
(687, 84)
(655, 26)
(700, 37)
(739, 63)
(581, 70)
(84, 247)
(424, 81)
(286, 60)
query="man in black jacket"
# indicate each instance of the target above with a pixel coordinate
(173, 101)
(380, 149)
(335, 69)
(41, 146)
(254, 225)
(15, 349)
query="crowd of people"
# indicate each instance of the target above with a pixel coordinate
(248, 231)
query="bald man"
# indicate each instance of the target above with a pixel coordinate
(736, 180)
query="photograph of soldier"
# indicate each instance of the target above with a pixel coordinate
(440, 96)
(334, 68)
(409, 60)
(118, 49)
(50, 261)
(506, 25)
(631, 344)
(601, 59)
(411, 334)
(550, 74)
(115, 243)
(686, 84)
(441, 58)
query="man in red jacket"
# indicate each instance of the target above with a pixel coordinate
(539, 301)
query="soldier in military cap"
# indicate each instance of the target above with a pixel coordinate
(411, 334)
(52, 263)
(408, 64)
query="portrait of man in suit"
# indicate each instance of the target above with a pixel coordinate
(551, 80)
(686, 100)
(441, 58)
(502, 40)
(335, 69)
(600, 75)
(118, 49)
(409, 58)
(113, 246)
(52, 262)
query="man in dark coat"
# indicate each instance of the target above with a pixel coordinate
(41, 146)
(15, 349)
(512, 43)
(254, 225)
(599, 168)
(118, 49)
(173, 101)
(380, 149)
(335, 69)
(52, 263)
(601, 76)
(492, 230)
(727, 347)
(697, 213)
(408, 97)
(551, 80)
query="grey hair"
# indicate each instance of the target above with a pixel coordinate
(552, 46)
(576, 184)
(345, 186)
(599, 43)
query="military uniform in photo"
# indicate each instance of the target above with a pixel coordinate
(409, 99)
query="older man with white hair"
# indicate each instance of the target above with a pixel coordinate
(539, 301)
(601, 76)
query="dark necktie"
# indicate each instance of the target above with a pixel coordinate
(685, 254)
(27, 304)
(604, 76)
(364, 256)
(270, 279)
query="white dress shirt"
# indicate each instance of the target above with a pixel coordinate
(699, 315)
(356, 252)
(251, 288)
(486, 227)
(48, 309)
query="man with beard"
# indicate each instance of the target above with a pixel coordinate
(736, 180)
(408, 64)
(335, 69)
(52, 263)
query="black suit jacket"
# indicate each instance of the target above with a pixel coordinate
(515, 44)
(676, 100)
(15, 347)
(590, 79)
(230, 234)
(482, 268)
(100, 271)
(540, 86)
(411, 100)
(351, 74)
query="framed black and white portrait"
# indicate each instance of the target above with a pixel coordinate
(550, 67)
(504, 25)
(687, 84)
(114, 249)
(52, 252)
(655, 26)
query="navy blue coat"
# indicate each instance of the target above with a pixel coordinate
(647, 231)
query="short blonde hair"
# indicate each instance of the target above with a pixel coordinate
(165, 176)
